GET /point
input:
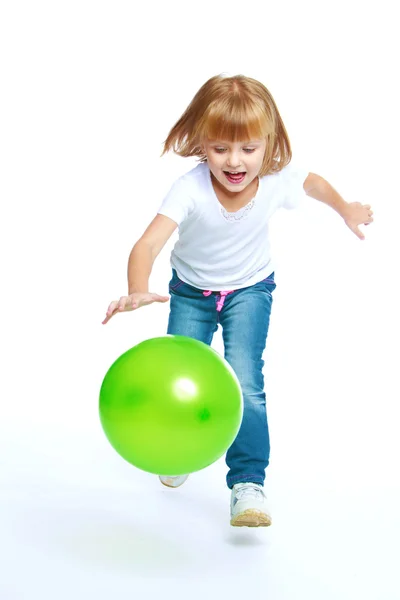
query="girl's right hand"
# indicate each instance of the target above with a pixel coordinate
(132, 302)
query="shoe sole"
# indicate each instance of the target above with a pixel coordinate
(172, 486)
(251, 518)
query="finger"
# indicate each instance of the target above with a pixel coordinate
(159, 298)
(112, 307)
(359, 233)
(126, 303)
(366, 206)
(108, 317)
(132, 302)
(110, 311)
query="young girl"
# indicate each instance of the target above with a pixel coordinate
(222, 270)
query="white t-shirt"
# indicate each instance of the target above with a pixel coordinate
(218, 250)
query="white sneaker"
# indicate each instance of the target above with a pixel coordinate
(249, 506)
(173, 481)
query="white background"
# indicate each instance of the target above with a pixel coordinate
(89, 93)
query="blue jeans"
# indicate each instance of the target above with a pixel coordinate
(244, 316)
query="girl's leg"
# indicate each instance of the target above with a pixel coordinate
(245, 321)
(192, 315)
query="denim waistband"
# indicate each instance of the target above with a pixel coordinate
(222, 294)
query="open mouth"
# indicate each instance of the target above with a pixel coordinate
(235, 177)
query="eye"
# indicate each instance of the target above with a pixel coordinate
(247, 150)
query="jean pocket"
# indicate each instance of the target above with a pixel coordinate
(268, 283)
(175, 282)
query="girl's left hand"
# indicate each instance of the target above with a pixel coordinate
(358, 214)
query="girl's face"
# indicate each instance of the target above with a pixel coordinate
(235, 164)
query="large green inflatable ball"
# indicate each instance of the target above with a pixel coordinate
(171, 405)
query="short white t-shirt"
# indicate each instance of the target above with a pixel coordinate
(217, 250)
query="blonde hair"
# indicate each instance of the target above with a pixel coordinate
(232, 109)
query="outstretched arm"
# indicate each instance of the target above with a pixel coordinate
(353, 213)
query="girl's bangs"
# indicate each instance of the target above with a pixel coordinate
(235, 126)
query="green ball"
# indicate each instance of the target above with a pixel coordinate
(171, 405)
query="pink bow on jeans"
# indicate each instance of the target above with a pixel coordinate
(222, 296)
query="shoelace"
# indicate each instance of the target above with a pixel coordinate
(248, 490)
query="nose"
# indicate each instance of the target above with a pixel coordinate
(233, 160)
